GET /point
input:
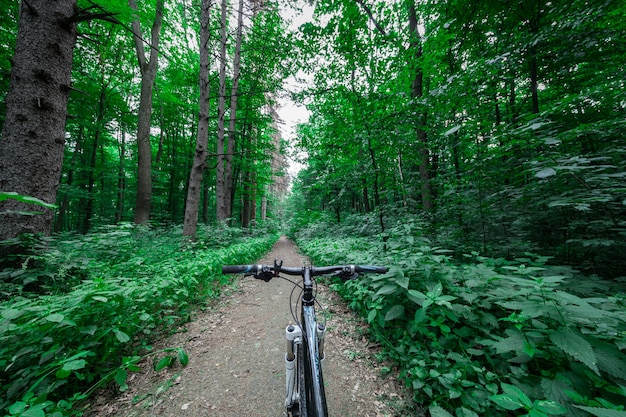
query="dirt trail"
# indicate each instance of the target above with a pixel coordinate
(236, 365)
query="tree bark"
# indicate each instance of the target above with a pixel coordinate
(190, 226)
(91, 172)
(33, 135)
(222, 192)
(121, 177)
(230, 147)
(417, 91)
(148, 70)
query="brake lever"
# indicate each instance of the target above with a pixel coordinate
(345, 275)
(265, 274)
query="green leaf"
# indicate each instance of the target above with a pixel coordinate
(74, 365)
(506, 402)
(387, 289)
(514, 391)
(536, 413)
(183, 357)
(121, 336)
(100, 298)
(371, 315)
(394, 312)
(602, 412)
(437, 411)
(453, 130)
(55, 317)
(549, 407)
(513, 343)
(24, 199)
(574, 345)
(545, 173)
(90, 330)
(416, 296)
(120, 378)
(163, 363)
(17, 408)
(34, 412)
(420, 315)
(11, 313)
(402, 281)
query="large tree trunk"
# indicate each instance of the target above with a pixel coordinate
(148, 70)
(222, 191)
(33, 136)
(199, 161)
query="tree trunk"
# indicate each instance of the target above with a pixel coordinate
(247, 204)
(33, 135)
(417, 91)
(534, 9)
(64, 203)
(222, 191)
(199, 161)
(121, 178)
(228, 166)
(91, 173)
(148, 70)
(254, 189)
(263, 208)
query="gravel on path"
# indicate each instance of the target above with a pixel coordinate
(236, 360)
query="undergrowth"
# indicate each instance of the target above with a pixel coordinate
(82, 311)
(485, 337)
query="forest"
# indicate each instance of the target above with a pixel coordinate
(476, 148)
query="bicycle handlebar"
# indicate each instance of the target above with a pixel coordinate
(314, 270)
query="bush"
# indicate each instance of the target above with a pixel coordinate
(487, 335)
(124, 287)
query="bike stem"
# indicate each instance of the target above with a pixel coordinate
(307, 297)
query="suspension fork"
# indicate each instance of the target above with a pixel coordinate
(293, 334)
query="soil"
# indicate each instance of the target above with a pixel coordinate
(236, 364)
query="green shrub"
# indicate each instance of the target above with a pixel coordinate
(487, 335)
(125, 286)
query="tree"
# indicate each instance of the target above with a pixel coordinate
(148, 68)
(199, 161)
(223, 188)
(33, 135)
(230, 147)
(417, 92)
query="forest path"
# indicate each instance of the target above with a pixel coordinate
(236, 360)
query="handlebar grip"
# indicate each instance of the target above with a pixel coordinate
(370, 269)
(239, 269)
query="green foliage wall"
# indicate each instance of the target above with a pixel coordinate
(487, 335)
(523, 112)
(84, 311)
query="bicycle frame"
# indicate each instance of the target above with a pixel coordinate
(305, 340)
(314, 380)
(310, 339)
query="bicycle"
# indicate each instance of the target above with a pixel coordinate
(305, 396)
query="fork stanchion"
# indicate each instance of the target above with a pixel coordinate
(293, 335)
